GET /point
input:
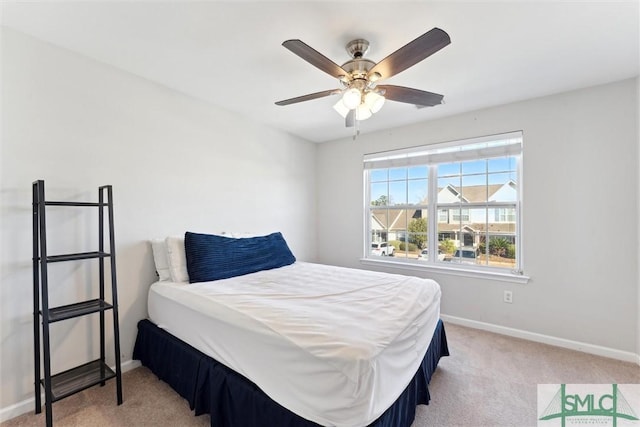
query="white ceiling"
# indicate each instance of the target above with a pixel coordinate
(229, 53)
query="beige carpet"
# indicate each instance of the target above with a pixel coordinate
(489, 380)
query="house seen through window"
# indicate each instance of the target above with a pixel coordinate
(454, 204)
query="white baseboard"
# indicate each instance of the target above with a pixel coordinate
(611, 353)
(29, 404)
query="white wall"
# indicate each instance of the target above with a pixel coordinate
(580, 213)
(638, 201)
(175, 164)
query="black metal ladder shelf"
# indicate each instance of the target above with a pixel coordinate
(95, 372)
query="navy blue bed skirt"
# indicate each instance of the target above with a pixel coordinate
(232, 400)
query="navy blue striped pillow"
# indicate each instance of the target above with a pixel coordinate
(211, 257)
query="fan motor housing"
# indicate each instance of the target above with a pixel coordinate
(357, 48)
(358, 67)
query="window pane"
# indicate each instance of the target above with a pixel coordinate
(502, 164)
(448, 190)
(378, 225)
(474, 188)
(418, 189)
(417, 228)
(398, 173)
(448, 239)
(398, 192)
(398, 230)
(446, 247)
(477, 217)
(379, 194)
(475, 167)
(459, 241)
(501, 251)
(449, 169)
(415, 238)
(378, 175)
(418, 242)
(504, 189)
(418, 172)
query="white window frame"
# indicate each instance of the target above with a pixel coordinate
(492, 146)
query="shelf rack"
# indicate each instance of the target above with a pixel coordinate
(64, 384)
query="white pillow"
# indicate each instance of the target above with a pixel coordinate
(236, 235)
(177, 259)
(159, 249)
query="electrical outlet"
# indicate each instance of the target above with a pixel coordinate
(508, 297)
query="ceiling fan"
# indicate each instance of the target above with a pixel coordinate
(362, 96)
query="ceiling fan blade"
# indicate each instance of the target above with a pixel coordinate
(314, 58)
(411, 53)
(308, 97)
(350, 119)
(408, 95)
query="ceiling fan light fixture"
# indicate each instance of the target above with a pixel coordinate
(374, 101)
(351, 98)
(374, 77)
(358, 78)
(341, 109)
(363, 112)
(344, 79)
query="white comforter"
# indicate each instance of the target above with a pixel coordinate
(336, 346)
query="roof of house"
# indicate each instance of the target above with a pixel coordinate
(396, 219)
(393, 218)
(473, 193)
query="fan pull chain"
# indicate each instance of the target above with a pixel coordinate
(356, 128)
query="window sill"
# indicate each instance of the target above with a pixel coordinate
(476, 274)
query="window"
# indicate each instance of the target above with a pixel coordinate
(460, 215)
(458, 200)
(505, 215)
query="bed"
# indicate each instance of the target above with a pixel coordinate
(253, 337)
